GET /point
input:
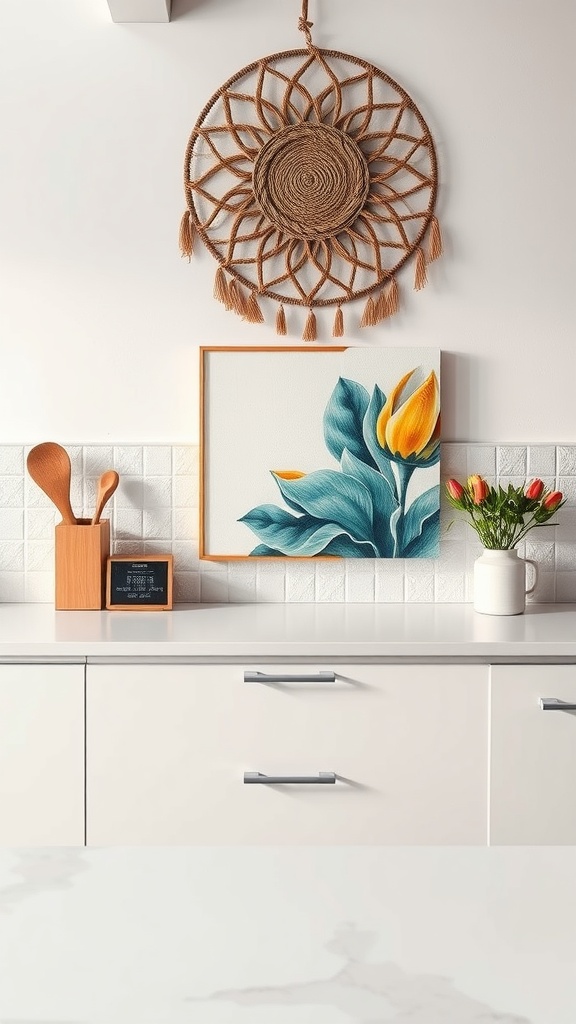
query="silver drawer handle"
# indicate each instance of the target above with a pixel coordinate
(306, 677)
(323, 778)
(553, 704)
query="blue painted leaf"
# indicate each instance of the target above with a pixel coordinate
(288, 534)
(263, 549)
(427, 543)
(384, 502)
(421, 509)
(373, 411)
(335, 498)
(345, 547)
(343, 418)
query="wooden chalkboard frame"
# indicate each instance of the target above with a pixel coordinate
(135, 606)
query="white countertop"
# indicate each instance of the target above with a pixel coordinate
(303, 631)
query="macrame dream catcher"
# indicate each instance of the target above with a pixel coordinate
(311, 177)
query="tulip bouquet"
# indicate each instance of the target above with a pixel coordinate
(502, 518)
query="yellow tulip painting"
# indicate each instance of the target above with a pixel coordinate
(370, 505)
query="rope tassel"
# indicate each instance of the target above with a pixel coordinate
(369, 315)
(420, 278)
(186, 237)
(237, 298)
(253, 312)
(221, 289)
(281, 321)
(310, 327)
(338, 328)
(435, 248)
(392, 299)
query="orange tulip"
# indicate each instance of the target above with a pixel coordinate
(409, 424)
(477, 488)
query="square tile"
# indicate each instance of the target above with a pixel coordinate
(97, 459)
(360, 586)
(545, 592)
(270, 581)
(185, 460)
(482, 460)
(566, 459)
(157, 460)
(40, 556)
(242, 582)
(388, 583)
(12, 460)
(419, 587)
(11, 491)
(567, 484)
(213, 588)
(157, 524)
(454, 460)
(185, 491)
(330, 582)
(129, 493)
(127, 524)
(566, 587)
(300, 582)
(128, 460)
(11, 587)
(186, 588)
(157, 492)
(450, 587)
(126, 547)
(511, 461)
(185, 524)
(186, 556)
(11, 556)
(40, 523)
(11, 524)
(566, 556)
(39, 587)
(542, 552)
(542, 460)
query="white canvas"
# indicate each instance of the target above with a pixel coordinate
(271, 413)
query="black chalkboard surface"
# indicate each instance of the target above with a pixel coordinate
(136, 583)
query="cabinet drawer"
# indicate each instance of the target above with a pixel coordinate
(533, 755)
(168, 746)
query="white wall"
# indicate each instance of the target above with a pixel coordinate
(99, 317)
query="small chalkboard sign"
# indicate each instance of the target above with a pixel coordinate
(136, 583)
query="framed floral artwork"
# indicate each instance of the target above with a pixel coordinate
(319, 452)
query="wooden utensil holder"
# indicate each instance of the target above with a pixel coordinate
(81, 553)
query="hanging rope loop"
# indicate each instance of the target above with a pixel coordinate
(304, 25)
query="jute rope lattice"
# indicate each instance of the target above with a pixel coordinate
(311, 177)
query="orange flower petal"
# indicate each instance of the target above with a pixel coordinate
(288, 474)
(410, 429)
(388, 409)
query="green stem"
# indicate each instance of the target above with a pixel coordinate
(404, 474)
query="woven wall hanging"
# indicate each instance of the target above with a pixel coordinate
(311, 177)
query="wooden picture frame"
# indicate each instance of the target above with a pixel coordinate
(290, 465)
(134, 581)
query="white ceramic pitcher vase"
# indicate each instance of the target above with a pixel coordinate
(500, 586)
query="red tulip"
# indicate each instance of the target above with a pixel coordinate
(534, 490)
(455, 490)
(478, 488)
(552, 500)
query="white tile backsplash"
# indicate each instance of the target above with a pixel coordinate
(155, 509)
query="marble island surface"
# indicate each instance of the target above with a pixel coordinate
(305, 631)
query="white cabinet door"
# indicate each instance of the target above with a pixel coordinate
(41, 755)
(168, 747)
(533, 756)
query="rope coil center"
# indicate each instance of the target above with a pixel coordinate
(310, 180)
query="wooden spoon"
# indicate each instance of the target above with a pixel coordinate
(107, 484)
(49, 467)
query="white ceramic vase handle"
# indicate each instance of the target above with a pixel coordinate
(535, 567)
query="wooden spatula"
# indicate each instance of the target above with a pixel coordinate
(49, 467)
(107, 484)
